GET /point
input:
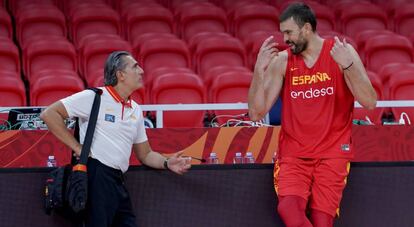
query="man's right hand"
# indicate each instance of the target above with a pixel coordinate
(78, 150)
(266, 53)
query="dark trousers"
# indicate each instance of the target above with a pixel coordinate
(109, 203)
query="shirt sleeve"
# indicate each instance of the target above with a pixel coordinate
(79, 104)
(141, 135)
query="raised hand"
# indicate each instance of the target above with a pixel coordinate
(267, 51)
(341, 54)
(179, 164)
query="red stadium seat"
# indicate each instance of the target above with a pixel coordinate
(200, 37)
(139, 20)
(49, 89)
(17, 5)
(95, 78)
(98, 81)
(332, 34)
(411, 38)
(360, 17)
(374, 115)
(231, 87)
(88, 41)
(338, 3)
(383, 49)
(282, 4)
(402, 88)
(149, 77)
(70, 6)
(390, 6)
(9, 56)
(8, 74)
(230, 5)
(388, 71)
(94, 55)
(122, 5)
(175, 5)
(363, 36)
(55, 73)
(339, 6)
(197, 18)
(180, 89)
(139, 96)
(12, 91)
(96, 20)
(47, 54)
(42, 20)
(164, 52)
(255, 40)
(215, 72)
(6, 29)
(252, 18)
(325, 17)
(137, 42)
(133, 5)
(219, 52)
(404, 19)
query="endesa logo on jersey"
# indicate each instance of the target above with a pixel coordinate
(311, 92)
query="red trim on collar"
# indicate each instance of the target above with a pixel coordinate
(117, 97)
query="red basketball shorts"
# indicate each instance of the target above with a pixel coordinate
(319, 181)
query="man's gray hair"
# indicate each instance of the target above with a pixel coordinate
(114, 63)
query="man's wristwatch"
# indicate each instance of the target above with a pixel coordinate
(166, 164)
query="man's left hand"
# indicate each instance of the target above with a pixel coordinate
(341, 53)
(179, 164)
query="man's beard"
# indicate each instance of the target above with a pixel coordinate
(298, 47)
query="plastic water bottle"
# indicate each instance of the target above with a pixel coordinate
(51, 161)
(238, 158)
(249, 158)
(212, 159)
(274, 157)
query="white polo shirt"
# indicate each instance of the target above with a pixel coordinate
(118, 127)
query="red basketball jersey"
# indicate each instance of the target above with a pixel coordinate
(317, 109)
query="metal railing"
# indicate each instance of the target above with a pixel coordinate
(159, 109)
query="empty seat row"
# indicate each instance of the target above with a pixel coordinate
(189, 89)
(44, 20)
(48, 54)
(43, 92)
(152, 51)
(138, 20)
(189, 19)
(206, 50)
(170, 88)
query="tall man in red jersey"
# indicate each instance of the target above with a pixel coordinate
(320, 79)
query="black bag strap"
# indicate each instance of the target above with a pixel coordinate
(86, 147)
(74, 160)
